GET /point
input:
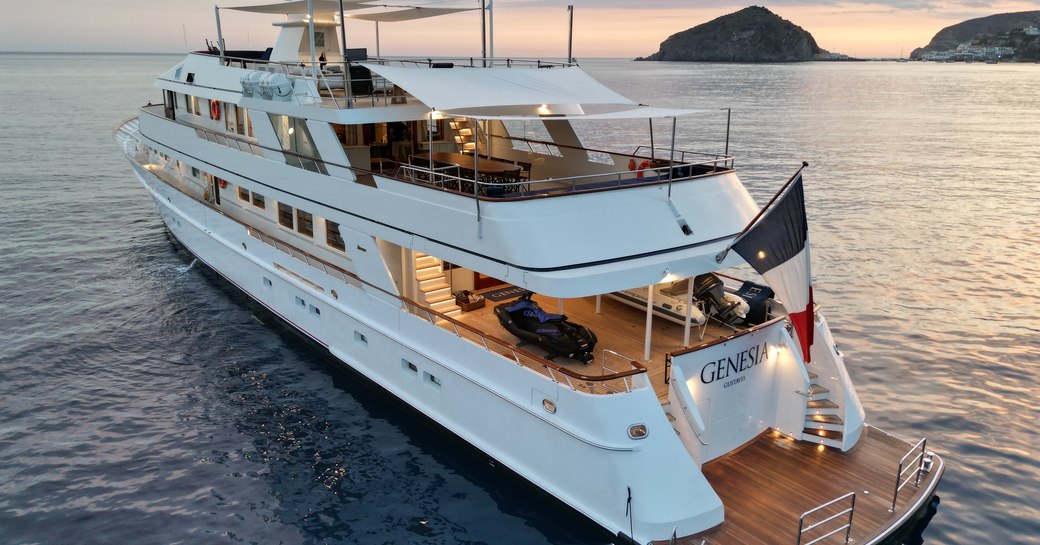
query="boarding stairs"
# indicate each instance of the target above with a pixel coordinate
(823, 423)
(434, 291)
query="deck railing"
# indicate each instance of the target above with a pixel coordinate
(836, 518)
(329, 77)
(495, 190)
(916, 464)
(611, 381)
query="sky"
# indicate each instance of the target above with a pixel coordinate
(522, 28)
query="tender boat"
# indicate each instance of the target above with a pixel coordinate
(356, 197)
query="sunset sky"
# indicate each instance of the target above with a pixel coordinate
(523, 28)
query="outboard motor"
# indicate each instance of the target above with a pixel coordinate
(709, 288)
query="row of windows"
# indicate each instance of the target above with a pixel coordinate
(236, 120)
(300, 220)
(253, 197)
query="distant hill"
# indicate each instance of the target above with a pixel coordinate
(753, 34)
(951, 36)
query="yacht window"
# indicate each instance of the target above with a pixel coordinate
(296, 140)
(195, 172)
(305, 223)
(231, 116)
(258, 201)
(333, 237)
(243, 194)
(285, 215)
(530, 136)
(248, 122)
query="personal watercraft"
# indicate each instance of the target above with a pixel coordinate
(552, 332)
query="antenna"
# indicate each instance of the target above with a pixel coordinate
(570, 35)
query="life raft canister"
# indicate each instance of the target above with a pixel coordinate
(642, 166)
(214, 110)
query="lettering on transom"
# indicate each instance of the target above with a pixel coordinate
(733, 366)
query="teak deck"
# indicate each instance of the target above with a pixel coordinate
(618, 327)
(767, 485)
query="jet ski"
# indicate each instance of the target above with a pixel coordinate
(552, 332)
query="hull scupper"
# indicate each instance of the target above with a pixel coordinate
(378, 209)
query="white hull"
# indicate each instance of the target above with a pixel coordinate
(581, 454)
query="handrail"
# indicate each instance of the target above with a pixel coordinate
(304, 69)
(566, 189)
(850, 511)
(728, 338)
(916, 476)
(635, 155)
(515, 350)
(653, 153)
(415, 308)
(626, 359)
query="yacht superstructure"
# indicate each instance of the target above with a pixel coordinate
(355, 198)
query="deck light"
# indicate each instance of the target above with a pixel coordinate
(638, 431)
(669, 276)
(544, 109)
(761, 254)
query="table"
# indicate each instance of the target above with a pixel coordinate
(489, 170)
(466, 162)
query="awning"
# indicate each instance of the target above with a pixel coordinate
(299, 7)
(460, 88)
(640, 112)
(406, 14)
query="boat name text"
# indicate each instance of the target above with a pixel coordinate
(731, 365)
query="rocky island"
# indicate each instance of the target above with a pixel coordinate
(1007, 35)
(753, 34)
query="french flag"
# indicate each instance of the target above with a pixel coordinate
(777, 246)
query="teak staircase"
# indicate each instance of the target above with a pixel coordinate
(463, 131)
(822, 423)
(433, 285)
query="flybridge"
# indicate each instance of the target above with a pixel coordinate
(321, 17)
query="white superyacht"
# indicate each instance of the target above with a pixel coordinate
(588, 318)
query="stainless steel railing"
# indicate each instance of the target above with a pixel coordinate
(488, 190)
(846, 526)
(916, 464)
(607, 383)
(373, 90)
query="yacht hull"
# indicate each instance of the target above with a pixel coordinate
(580, 454)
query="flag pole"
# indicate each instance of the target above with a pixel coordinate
(722, 255)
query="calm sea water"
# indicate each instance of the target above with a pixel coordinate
(141, 401)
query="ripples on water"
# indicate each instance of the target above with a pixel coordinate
(143, 402)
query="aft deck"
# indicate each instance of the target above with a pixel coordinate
(620, 329)
(768, 484)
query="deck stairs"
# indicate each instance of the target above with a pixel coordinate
(434, 290)
(462, 130)
(823, 425)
